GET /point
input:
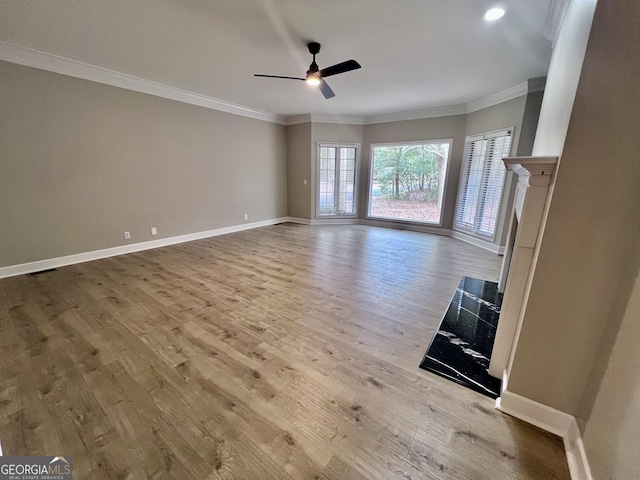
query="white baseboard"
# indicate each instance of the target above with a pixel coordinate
(410, 227)
(554, 421)
(535, 413)
(47, 264)
(335, 221)
(325, 221)
(373, 223)
(302, 221)
(478, 242)
(576, 454)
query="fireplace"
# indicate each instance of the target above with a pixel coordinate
(532, 192)
(473, 343)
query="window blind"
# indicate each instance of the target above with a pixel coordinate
(482, 178)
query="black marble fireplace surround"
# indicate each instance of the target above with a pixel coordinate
(461, 348)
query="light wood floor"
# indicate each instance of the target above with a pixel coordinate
(286, 352)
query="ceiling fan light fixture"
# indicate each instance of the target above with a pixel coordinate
(315, 76)
(312, 78)
(494, 14)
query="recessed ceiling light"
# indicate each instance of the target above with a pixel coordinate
(494, 14)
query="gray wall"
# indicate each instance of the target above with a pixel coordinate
(529, 126)
(592, 219)
(82, 162)
(504, 115)
(298, 170)
(609, 413)
(610, 433)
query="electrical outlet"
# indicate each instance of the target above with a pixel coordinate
(127, 235)
(154, 231)
(246, 216)
(305, 182)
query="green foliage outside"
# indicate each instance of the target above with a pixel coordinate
(410, 172)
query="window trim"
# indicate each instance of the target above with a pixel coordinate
(320, 144)
(471, 138)
(368, 215)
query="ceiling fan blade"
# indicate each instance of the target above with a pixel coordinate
(326, 90)
(277, 76)
(340, 68)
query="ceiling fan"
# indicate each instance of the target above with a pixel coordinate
(315, 76)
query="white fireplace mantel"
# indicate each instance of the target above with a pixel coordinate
(539, 167)
(532, 191)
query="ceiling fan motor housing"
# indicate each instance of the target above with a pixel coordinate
(313, 68)
(314, 47)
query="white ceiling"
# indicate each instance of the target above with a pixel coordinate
(415, 54)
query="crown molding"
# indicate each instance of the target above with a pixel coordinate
(530, 86)
(323, 118)
(53, 63)
(555, 17)
(498, 97)
(10, 52)
(381, 118)
(297, 119)
(341, 119)
(434, 112)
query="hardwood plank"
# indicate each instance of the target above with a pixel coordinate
(286, 352)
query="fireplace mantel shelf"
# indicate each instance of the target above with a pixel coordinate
(527, 166)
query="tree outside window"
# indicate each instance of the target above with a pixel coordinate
(408, 181)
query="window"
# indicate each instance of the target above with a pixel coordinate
(481, 181)
(336, 180)
(408, 180)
